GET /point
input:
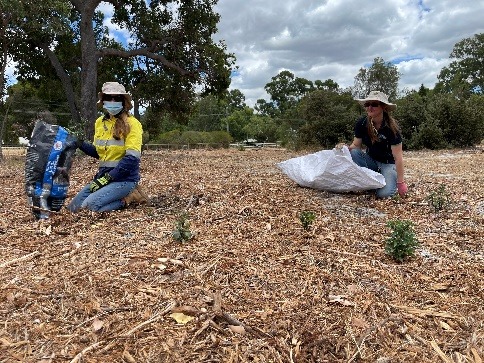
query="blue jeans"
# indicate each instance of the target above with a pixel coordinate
(106, 199)
(388, 171)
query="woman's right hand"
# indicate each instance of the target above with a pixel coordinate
(402, 188)
(340, 145)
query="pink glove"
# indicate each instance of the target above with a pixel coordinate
(402, 188)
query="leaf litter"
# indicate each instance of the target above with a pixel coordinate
(252, 284)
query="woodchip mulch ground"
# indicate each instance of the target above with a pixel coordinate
(251, 285)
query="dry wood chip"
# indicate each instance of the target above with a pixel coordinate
(258, 287)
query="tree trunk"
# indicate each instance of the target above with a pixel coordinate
(136, 108)
(5, 45)
(89, 60)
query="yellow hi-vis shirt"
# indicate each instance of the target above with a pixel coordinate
(119, 157)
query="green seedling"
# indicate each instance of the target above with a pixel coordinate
(439, 199)
(402, 242)
(182, 231)
(307, 218)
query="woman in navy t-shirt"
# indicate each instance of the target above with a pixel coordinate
(379, 132)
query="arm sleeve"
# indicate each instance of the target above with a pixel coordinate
(89, 149)
(131, 161)
(397, 139)
(126, 166)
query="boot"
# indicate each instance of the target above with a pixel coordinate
(136, 196)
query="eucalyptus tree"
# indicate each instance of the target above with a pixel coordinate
(410, 114)
(235, 100)
(208, 114)
(329, 117)
(465, 74)
(7, 36)
(236, 122)
(169, 40)
(266, 108)
(380, 76)
(328, 85)
(286, 90)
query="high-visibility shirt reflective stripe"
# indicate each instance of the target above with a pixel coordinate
(118, 157)
(111, 142)
(108, 148)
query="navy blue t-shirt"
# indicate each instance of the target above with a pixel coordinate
(381, 150)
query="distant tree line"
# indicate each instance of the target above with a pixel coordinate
(302, 113)
(179, 79)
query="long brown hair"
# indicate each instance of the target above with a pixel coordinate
(121, 127)
(388, 119)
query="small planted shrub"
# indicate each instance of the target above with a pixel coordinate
(307, 218)
(402, 242)
(182, 232)
(439, 199)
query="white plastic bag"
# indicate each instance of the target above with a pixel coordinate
(331, 170)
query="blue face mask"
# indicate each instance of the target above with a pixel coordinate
(113, 107)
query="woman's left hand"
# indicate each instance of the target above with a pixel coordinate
(402, 188)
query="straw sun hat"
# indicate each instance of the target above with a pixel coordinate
(115, 88)
(377, 96)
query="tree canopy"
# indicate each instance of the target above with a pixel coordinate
(169, 44)
(286, 90)
(380, 76)
(465, 74)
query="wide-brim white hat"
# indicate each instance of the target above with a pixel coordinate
(377, 96)
(115, 88)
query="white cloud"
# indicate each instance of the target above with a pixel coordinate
(117, 33)
(416, 72)
(333, 39)
(322, 39)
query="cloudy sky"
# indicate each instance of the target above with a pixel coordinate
(333, 39)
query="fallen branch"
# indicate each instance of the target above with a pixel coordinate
(20, 259)
(477, 358)
(348, 253)
(217, 307)
(367, 333)
(439, 351)
(78, 357)
(205, 325)
(33, 207)
(424, 313)
(156, 317)
(101, 314)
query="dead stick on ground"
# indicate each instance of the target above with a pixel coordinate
(367, 333)
(157, 316)
(78, 357)
(217, 307)
(441, 354)
(20, 259)
(348, 253)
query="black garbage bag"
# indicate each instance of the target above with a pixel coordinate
(47, 168)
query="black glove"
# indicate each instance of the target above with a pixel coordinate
(98, 183)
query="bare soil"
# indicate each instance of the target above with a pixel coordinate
(252, 285)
